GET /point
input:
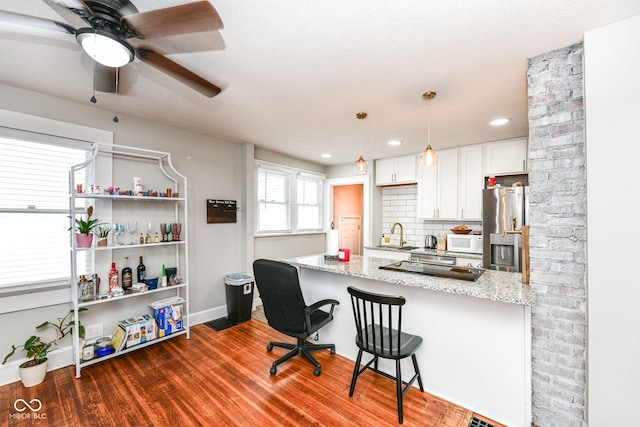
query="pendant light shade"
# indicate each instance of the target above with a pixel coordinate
(428, 156)
(360, 165)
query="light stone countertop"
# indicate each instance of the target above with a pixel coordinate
(492, 285)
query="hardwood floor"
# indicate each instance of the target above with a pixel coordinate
(221, 379)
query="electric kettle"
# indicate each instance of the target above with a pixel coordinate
(430, 241)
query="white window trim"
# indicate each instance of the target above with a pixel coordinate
(41, 295)
(294, 172)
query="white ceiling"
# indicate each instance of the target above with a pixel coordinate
(294, 73)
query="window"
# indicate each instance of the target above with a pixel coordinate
(34, 209)
(288, 200)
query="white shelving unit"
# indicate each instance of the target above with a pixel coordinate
(115, 164)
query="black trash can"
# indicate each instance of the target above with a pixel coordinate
(239, 291)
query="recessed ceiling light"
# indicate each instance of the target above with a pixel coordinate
(499, 122)
(394, 142)
(325, 155)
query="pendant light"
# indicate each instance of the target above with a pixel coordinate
(360, 166)
(428, 156)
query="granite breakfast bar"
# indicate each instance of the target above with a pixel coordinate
(477, 335)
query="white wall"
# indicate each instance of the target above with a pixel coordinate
(214, 167)
(612, 82)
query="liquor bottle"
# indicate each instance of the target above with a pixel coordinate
(113, 278)
(141, 239)
(156, 238)
(142, 271)
(149, 238)
(127, 275)
(163, 280)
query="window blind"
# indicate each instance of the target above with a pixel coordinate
(34, 209)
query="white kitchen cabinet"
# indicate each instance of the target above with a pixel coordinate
(505, 157)
(438, 187)
(452, 188)
(396, 170)
(470, 183)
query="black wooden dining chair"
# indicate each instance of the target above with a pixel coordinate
(378, 321)
(286, 311)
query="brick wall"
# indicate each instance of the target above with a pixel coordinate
(557, 180)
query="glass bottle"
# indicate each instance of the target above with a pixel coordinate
(142, 271)
(127, 275)
(113, 279)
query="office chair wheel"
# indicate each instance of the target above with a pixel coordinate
(316, 371)
(332, 350)
(269, 348)
(272, 371)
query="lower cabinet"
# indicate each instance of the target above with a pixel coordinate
(394, 255)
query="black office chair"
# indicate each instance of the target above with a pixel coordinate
(379, 333)
(286, 311)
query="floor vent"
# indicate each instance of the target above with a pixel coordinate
(476, 422)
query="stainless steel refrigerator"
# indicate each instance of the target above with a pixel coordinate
(504, 212)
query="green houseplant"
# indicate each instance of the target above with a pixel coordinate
(33, 371)
(84, 229)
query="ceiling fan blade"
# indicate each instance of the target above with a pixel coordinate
(74, 12)
(178, 72)
(32, 21)
(187, 18)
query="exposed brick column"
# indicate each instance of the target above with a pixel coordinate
(557, 180)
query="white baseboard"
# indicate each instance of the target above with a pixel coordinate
(63, 356)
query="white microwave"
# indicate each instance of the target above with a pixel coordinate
(467, 243)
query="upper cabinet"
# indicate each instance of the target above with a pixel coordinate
(396, 170)
(452, 188)
(505, 157)
(438, 187)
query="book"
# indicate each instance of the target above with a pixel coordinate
(118, 338)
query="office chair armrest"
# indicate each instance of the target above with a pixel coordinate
(316, 306)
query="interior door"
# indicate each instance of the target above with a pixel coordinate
(349, 227)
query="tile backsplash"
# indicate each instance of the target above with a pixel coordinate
(399, 204)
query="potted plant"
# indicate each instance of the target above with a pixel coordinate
(84, 228)
(33, 371)
(102, 231)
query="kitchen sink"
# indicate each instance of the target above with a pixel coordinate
(400, 248)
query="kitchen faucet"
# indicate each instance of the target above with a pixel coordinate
(393, 227)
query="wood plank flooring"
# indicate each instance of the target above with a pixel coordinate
(221, 379)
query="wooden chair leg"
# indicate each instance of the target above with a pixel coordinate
(417, 370)
(399, 390)
(354, 377)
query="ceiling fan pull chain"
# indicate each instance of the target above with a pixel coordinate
(93, 95)
(115, 118)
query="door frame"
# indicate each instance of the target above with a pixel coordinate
(365, 180)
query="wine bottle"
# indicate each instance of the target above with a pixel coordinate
(127, 275)
(142, 271)
(113, 278)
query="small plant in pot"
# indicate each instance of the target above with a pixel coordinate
(84, 229)
(33, 371)
(102, 231)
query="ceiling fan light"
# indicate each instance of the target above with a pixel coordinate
(428, 157)
(104, 47)
(360, 166)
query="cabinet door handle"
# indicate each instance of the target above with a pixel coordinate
(524, 165)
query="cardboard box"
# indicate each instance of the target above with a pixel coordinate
(139, 329)
(168, 315)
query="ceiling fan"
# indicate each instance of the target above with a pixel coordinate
(112, 26)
